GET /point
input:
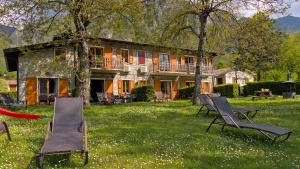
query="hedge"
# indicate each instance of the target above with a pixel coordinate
(144, 93)
(186, 92)
(12, 94)
(276, 87)
(228, 90)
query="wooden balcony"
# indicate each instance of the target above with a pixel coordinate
(180, 68)
(107, 64)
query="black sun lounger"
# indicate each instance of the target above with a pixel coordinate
(10, 102)
(209, 105)
(228, 118)
(4, 129)
(67, 131)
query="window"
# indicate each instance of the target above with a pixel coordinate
(165, 87)
(190, 84)
(60, 53)
(114, 51)
(125, 86)
(164, 58)
(141, 57)
(219, 80)
(179, 60)
(48, 86)
(97, 52)
(125, 55)
(189, 60)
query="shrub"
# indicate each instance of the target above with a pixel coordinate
(144, 93)
(13, 94)
(276, 87)
(228, 90)
(186, 92)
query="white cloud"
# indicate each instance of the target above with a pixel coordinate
(293, 11)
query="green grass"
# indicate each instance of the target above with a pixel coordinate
(161, 135)
(3, 85)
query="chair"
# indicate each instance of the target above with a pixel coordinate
(110, 98)
(228, 118)
(10, 102)
(43, 98)
(4, 129)
(67, 131)
(159, 96)
(206, 102)
(101, 98)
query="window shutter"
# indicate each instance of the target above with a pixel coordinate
(31, 91)
(120, 87)
(156, 85)
(174, 89)
(109, 86)
(131, 56)
(63, 87)
(131, 85)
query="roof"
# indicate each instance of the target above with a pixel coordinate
(223, 71)
(12, 82)
(12, 54)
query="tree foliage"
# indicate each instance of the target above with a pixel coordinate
(289, 59)
(257, 43)
(193, 16)
(73, 17)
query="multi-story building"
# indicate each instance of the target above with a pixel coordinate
(116, 67)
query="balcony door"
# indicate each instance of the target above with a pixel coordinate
(164, 62)
(189, 64)
(97, 56)
(97, 86)
(165, 87)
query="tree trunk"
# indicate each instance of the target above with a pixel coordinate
(83, 73)
(236, 77)
(258, 75)
(200, 56)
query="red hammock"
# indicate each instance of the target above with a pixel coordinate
(18, 115)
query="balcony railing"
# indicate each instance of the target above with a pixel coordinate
(180, 68)
(107, 64)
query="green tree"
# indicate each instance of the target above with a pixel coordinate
(289, 59)
(258, 43)
(195, 15)
(3, 44)
(76, 16)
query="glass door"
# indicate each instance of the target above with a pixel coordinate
(164, 62)
(165, 87)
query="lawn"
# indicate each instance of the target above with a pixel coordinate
(161, 135)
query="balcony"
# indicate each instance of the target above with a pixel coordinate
(180, 68)
(107, 64)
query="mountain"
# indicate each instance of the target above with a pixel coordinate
(288, 24)
(7, 30)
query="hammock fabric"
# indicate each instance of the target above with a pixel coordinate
(18, 115)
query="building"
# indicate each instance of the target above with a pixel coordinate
(116, 67)
(227, 75)
(12, 85)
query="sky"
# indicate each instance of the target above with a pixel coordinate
(293, 11)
